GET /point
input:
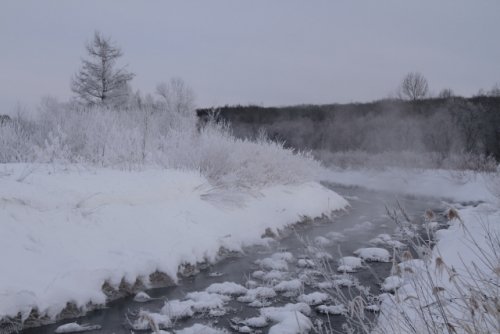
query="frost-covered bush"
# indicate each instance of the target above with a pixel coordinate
(150, 136)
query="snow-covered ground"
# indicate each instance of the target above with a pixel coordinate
(66, 230)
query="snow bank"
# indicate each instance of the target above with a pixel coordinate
(67, 230)
(459, 280)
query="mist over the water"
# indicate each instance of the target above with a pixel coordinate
(431, 132)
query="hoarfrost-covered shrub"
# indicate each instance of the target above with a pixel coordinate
(151, 136)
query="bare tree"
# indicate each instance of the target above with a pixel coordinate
(446, 93)
(4, 119)
(495, 90)
(98, 82)
(414, 86)
(177, 96)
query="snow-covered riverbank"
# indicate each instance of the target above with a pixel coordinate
(65, 231)
(455, 287)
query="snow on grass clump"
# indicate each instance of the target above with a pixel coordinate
(177, 309)
(153, 321)
(373, 254)
(391, 283)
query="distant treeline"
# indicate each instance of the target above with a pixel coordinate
(439, 125)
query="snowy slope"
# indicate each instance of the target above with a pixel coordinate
(64, 231)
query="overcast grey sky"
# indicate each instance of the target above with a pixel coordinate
(265, 52)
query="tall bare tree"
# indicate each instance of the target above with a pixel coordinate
(98, 82)
(414, 86)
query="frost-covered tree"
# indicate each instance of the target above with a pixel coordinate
(99, 82)
(176, 96)
(414, 86)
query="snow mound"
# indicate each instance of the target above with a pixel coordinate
(270, 263)
(256, 322)
(270, 276)
(386, 239)
(177, 309)
(349, 264)
(288, 286)
(373, 254)
(392, 283)
(314, 298)
(205, 301)
(257, 294)
(76, 328)
(201, 329)
(142, 297)
(289, 319)
(331, 309)
(227, 288)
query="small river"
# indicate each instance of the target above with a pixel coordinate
(364, 220)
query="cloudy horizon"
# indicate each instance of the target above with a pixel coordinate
(258, 52)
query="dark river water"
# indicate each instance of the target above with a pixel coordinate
(366, 206)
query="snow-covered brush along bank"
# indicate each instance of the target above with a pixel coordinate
(136, 138)
(454, 288)
(67, 230)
